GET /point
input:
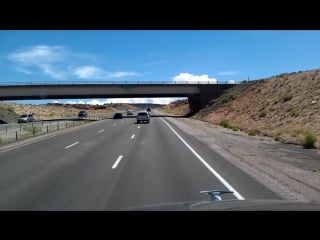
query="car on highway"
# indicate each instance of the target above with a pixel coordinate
(25, 118)
(118, 115)
(148, 109)
(82, 114)
(129, 112)
(143, 116)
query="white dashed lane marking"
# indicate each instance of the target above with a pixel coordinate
(117, 162)
(71, 145)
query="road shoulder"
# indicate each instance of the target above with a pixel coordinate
(290, 171)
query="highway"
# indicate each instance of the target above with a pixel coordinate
(115, 165)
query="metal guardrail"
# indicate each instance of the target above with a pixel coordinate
(15, 131)
(18, 83)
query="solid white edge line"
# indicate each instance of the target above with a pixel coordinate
(71, 145)
(132, 136)
(101, 131)
(214, 172)
(117, 162)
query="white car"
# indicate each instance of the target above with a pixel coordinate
(143, 116)
(26, 118)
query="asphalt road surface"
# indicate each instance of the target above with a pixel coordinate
(118, 164)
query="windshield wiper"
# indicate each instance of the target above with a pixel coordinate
(215, 194)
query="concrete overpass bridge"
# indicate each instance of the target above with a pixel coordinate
(198, 93)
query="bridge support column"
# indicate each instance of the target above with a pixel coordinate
(194, 103)
(207, 93)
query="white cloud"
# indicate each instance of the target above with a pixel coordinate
(25, 71)
(92, 72)
(55, 62)
(188, 77)
(142, 100)
(40, 54)
(225, 73)
(88, 72)
(43, 57)
(96, 102)
(75, 102)
(232, 82)
(52, 72)
(124, 100)
(121, 74)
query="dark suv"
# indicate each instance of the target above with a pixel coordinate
(82, 114)
(118, 115)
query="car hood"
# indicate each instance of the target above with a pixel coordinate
(232, 205)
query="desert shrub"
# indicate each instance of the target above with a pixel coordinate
(308, 140)
(295, 112)
(225, 123)
(235, 128)
(253, 132)
(285, 97)
(10, 109)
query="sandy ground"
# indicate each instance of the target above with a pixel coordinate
(288, 170)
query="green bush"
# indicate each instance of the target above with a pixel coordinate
(235, 128)
(10, 109)
(244, 82)
(0, 140)
(232, 96)
(284, 75)
(252, 132)
(286, 97)
(295, 112)
(225, 123)
(308, 140)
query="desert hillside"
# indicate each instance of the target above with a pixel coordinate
(285, 107)
(10, 112)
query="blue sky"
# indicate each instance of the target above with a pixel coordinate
(174, 55)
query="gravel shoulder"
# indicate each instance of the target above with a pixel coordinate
(290, 171)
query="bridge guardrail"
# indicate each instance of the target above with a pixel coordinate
(20, 83)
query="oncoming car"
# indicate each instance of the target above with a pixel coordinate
(143, 116)
(83, 114)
